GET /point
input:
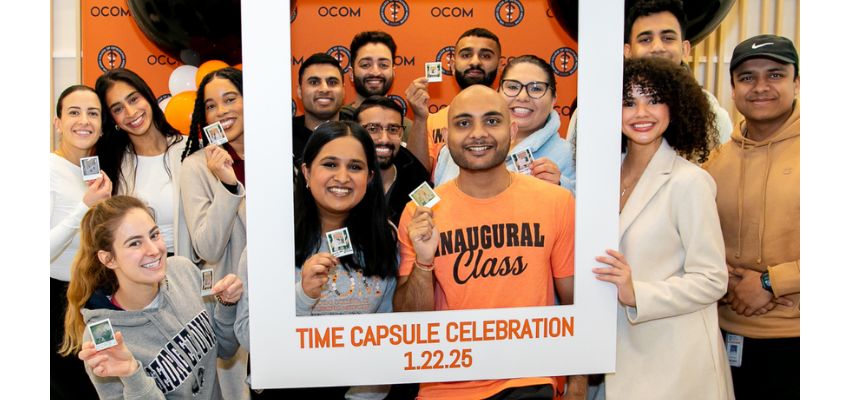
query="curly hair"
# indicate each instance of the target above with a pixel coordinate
(692, 131)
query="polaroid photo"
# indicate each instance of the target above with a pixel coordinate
(206, 281)
(339, 242)
(424, 196)
(215, 133)
(90, 167)
(102, 334)
(434, 71)
(522, 161)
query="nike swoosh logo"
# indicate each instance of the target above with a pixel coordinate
(755, 46)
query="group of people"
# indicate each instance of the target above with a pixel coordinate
(706, 271)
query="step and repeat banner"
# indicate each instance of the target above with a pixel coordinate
(425, 31)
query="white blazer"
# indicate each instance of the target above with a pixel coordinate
(669, 346)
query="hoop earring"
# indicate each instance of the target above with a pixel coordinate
(117, 129)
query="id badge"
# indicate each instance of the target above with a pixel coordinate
(734, 349)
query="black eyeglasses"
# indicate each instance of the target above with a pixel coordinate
(535, 90)
(391, 129)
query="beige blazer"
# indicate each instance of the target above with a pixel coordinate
(215, 217)
(669, 346)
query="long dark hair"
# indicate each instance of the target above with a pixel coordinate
(115, 142)
(197, 140)
(692, 131)
(372, 236)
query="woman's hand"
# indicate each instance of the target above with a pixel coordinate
(220, 164)
(619, 274)
(114, 361)
(314, 273)
(423, 234)
(229, 288)
(99, 189)
(546, 169)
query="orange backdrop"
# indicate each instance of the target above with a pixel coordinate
(424, 31)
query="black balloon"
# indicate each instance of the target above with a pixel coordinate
(192, 31)
(703, 16)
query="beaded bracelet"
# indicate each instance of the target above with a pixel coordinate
(224, 303)
(426, 268)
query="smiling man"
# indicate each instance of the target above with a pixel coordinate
(455, 259)
(476, 62)
(400, 171)
(758, 199)
(321, 93)
(372, 71)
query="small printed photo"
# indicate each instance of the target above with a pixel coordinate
(424, 196)
(215, 133)
(102, 334)
(339, 242)
(90, 167)
(522, 161)
(206, 282)
(434, 71)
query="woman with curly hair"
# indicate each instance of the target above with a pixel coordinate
(668, 338)
(212, 188)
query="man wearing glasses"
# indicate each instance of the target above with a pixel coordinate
(400, 171)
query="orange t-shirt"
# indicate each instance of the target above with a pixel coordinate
(514, 243)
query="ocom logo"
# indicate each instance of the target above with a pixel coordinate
(394, 12)
(293, 15)
(400, 101)
(343, 55)
(111, 57)
(446, 57)
(564, 61)
(509, 13)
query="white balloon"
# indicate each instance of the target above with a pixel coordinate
(182, 79)
(164, 103)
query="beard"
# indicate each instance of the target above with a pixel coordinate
(387, 162)
(364, 91)
(486, 79)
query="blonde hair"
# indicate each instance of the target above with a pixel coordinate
(87, 272)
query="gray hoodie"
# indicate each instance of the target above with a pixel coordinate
(175, 341)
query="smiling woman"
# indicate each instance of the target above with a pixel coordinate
(121, 274)
(78, 122)
(140, 151)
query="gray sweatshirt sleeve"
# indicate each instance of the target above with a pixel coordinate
(241, 327)
(210, 209)
(303, 304)
(136, 386)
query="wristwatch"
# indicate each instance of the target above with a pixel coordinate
(765, 282)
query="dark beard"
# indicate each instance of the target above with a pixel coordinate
(464, 82)
(363, 91)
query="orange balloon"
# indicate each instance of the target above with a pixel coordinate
(208, 67)
(178, 111)
(238, 66)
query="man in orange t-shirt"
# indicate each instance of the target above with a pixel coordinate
(484, 240)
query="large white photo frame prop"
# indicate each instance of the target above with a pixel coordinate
(278, 359)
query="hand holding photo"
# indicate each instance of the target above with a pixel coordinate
(206, 282)
(90, 167)
(215, 133)
(339, 242)
(102, 334)
(522, 161)
(434, 71)
(424, 196)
